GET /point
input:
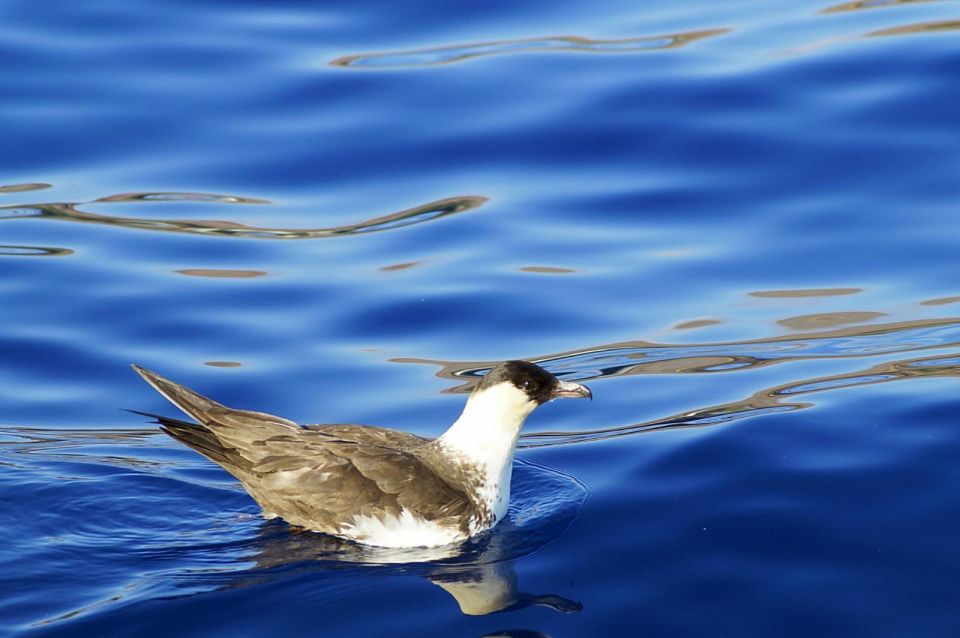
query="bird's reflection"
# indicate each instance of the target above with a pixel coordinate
(480, 574)
(236, 551)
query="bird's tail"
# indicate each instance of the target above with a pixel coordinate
(224, 435)
(197, 437)
(200, 437)
(193, 404)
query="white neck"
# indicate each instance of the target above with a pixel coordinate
(485, 435)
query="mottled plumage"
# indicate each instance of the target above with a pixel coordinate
(369, 484)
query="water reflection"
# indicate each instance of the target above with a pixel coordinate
(458, 53)
(639, 357)
(480, 575)
(905, 29)
(828, 319)
(34, 448)
(34, 251)
(231, 550)
(766, 401)
(696, 323)
(402, 266)
(868, 4)
(940, 301)
(64, 211)
(643, 357)
(221, 273)
(923, 27)
(805, 292)
(548, 270)
(159, 196)
(22, 188)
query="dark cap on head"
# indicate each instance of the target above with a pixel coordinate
(540, 385)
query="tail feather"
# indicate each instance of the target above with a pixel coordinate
(228, 437)
(193, 404)
(200, 439)
(203, 441)
(162, 420)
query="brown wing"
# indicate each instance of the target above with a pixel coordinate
(327, 474)
(316, 476)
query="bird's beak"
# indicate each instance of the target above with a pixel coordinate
(572, 390)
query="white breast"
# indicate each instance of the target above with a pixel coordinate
(484, 437)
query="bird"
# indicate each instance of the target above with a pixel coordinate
(373, 485)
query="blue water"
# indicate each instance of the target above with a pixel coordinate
(737, 222)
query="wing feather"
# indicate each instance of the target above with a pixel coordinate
(318, 476)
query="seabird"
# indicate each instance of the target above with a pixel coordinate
(369, 484)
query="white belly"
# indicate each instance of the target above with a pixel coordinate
(406, 530)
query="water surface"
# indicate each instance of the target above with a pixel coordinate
(736, 223)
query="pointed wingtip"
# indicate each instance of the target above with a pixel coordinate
(143, 372)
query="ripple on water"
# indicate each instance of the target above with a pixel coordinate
(633, 358)
(221, 273)
(22, 188)
(807, 153)
(459, 53)
(165, 522)
(858, 5)
(938, 26)
(806, 292)
(34, 251)
(72, 212)
(828, 319)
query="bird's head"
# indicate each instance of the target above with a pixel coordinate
(520, 386)
(487, 430)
